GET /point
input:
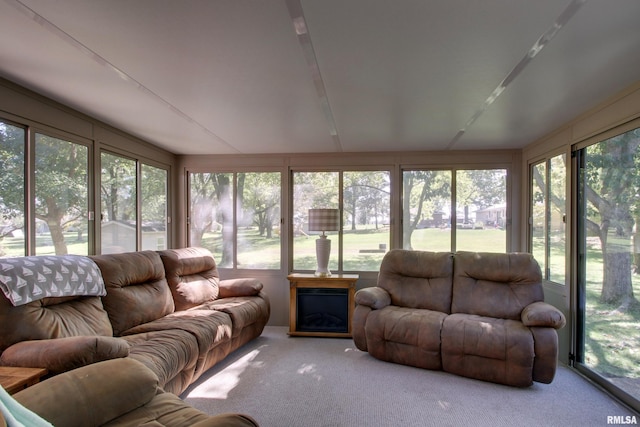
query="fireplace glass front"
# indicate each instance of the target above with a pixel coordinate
(322, 310)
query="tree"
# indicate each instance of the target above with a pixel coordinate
(611, 188)
(366, 196)
(153, 195)
(212, 206)
(480, 188)
(118, 188)
(12, 143)
(61, 173)
(424, 192)
(259, 201)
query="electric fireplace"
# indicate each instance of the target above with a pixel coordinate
(321, 306)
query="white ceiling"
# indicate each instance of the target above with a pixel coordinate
(300, 76)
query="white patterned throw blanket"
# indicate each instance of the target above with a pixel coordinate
(26, 279)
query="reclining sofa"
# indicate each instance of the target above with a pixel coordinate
(478, 315)
(168, 310)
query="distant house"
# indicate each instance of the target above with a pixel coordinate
(495, 215)
(120, 236)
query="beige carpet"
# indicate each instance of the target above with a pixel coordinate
(283, 381)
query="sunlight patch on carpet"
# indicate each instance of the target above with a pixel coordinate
(220, 385)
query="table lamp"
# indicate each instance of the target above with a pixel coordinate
(323, 220)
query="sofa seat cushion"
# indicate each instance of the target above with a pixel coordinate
(244, 311)
(490, 349)
(406, 336)
(210, 328)
(172, 355)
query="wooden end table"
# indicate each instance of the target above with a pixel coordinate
(14, 379)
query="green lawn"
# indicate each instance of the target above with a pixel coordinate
(612, 341)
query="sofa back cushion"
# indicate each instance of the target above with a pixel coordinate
(192, 276)
(57, 317)
(418, 279)
(137, 290)
(497, 285)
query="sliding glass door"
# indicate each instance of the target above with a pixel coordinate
(608, 347)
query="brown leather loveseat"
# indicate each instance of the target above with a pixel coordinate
(478, 315)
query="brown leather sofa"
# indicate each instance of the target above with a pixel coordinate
(119, 392)
(168, 310)
(478, 315)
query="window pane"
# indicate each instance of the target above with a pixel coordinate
(12, 221)
(61, 197)
(481, 206)
(312, 190)
(556, 223)
(610, 285)
(118, 201)
(539, 213)
(426, 209)
(366, 233)
(211, 219)
(258, 220)
(153, 213)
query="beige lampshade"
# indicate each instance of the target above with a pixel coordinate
(324, 220)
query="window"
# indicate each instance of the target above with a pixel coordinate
(313, 190)
(240, 234)
(363, 198)
(608, 262)
(119, 213)
(477, 207)
(426, 210)
(153, 207)
(258, 219)
(481, 210)
(365, 219)
(133, 205)
(12, 190)
(61, 197)
(547, 223)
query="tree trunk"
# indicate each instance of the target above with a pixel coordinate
(617, 287)
(636, 246)
(407, 229)
(57, 236)
(227, 233)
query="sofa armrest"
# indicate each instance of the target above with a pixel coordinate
(64, 354)
(92, 395)
(243, 287)
(374, 297)
(543, 314)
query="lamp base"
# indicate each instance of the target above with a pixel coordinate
(322, 274)
(323, 250)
